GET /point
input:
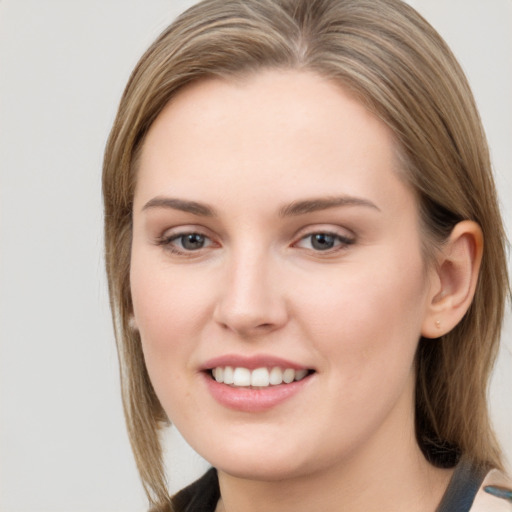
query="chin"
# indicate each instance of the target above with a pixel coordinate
(256, 460)
(262, 469)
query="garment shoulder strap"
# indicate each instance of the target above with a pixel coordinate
(495, 494)
(462, 489)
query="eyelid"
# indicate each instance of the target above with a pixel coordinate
(344, 235)
(328, 229)
(169, 235)
(184, 229)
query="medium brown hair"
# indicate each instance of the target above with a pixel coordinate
(401, 70)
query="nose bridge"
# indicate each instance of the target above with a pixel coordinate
(251, 300)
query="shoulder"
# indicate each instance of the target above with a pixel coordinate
(486, 502)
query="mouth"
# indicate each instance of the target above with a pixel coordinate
(258, 378)
(255, 384)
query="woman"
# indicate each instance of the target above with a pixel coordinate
(306, 260)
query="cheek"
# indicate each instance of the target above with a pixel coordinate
(165, 308)
(167, 301)
(367, 316)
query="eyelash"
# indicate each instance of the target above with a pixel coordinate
(343, 241)
(167, 242)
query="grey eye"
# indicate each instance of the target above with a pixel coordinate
(322, 241)
(192, 241)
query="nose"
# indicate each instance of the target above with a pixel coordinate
(251, 300)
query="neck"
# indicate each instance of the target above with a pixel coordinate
(385, 485)
(389, 474)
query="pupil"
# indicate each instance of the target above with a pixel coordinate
(322, 242)
(192, 241)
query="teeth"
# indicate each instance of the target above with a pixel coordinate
(288, 375)
(218, 374)
(260, 377)
(300, 374)
(242, 377)
(228, 375)
(276, 376)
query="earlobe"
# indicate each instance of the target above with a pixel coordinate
(132, 323)
(456, 278)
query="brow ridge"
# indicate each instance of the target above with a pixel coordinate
(300, 207)
(323, 203)
(183, 205)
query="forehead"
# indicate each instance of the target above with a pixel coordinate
(289, 98)
(273, 133)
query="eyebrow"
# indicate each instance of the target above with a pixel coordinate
(295, 208)
(183, 205)
(324, 203)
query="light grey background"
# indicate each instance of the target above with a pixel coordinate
(63, 65)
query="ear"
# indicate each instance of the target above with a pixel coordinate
(454, 279)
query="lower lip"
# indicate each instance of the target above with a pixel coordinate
(253, 400)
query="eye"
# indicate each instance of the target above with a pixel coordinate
(182, 243)
(324, 241)
(191, 241)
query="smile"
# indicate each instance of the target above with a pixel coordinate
(258, 377)
(256, 383)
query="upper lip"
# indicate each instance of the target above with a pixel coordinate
(251, 362)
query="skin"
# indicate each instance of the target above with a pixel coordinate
(354, 313)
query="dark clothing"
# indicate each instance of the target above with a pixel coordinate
(462, 489)
(201, 496)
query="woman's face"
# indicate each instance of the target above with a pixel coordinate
(274, 239)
